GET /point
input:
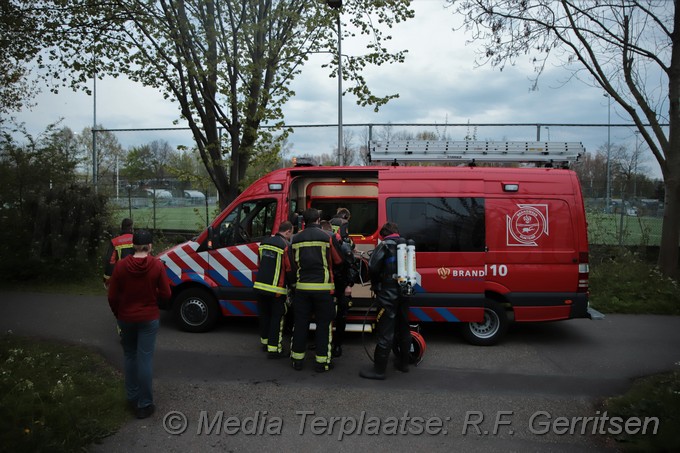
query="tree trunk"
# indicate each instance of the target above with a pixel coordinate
(670, 234)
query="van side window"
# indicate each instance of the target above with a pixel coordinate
(250, 221)
(364, 213)
(440, 224)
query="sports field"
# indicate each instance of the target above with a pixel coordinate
(187, 218)
(624, 230)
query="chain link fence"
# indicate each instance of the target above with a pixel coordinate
(166, 204)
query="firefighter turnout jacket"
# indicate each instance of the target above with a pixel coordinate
(312, 255)
(271, 273)
(119, 247)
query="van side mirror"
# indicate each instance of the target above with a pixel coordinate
(211, 238)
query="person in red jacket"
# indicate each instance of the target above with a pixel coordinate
(137, 283)
(119, 248)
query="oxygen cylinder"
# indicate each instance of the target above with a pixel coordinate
(411, 261)
(401, 261)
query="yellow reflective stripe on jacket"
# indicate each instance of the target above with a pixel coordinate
(312, 244)
(272, 285)
(326, 284)
(314, 286)
(269, 288)
(273, 248)
(279, 256)
(120, 248)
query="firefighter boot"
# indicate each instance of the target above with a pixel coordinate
(403, 356)
(377, 371)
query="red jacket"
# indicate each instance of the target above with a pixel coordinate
(119, 247)
(135, 287)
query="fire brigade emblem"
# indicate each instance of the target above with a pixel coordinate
(527, 225)
(443, 272)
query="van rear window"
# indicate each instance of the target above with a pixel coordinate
(440, 224)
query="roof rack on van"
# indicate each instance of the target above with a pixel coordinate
(547, 153)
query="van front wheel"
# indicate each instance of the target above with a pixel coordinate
(491, 329)
(195, 310)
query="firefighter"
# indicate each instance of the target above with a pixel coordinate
(119, 247)
(311, 257)
(393, 322)
(270, 287)
(343, 276)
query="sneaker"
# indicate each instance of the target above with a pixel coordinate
(337, 351)
(145, 412)
(322, 367)
(297, 365)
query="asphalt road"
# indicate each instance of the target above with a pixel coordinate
(510, 397)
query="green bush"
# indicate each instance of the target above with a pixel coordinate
(53, 236)
(622, 282)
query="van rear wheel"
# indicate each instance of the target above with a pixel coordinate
(491, 329)
(195, 310)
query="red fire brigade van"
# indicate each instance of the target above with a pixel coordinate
(493, 245)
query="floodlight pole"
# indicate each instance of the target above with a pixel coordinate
(609, 150)
(337, 4)
(637, 154)
(339, 92)
(94, 125)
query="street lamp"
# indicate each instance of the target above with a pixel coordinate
(637, 153)
(609, 149)
(94, 121)
(337, 4)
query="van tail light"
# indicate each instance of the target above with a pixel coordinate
(583, 271)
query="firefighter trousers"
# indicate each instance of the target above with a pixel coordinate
(272, 310)
(342, 306)
(319, 304)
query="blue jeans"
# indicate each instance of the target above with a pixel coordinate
(139, 341)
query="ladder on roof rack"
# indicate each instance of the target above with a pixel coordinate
(549, 153)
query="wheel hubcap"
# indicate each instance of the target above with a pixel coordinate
(194, 312)
(488, 328)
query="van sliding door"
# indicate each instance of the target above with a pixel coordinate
(449, 233)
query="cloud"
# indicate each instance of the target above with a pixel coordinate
(439, 83)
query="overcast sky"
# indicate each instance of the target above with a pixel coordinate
(438, 83)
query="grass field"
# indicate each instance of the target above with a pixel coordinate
(603, 229)
(612, 229)
(188, 218)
